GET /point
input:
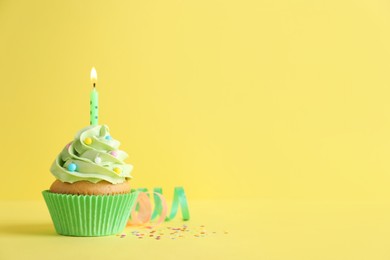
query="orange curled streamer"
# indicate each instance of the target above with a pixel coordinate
(143, 215)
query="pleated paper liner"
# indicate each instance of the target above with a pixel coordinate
(89, 215)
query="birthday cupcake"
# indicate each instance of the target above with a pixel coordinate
(91, 194)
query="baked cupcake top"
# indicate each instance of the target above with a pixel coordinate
(92, 156)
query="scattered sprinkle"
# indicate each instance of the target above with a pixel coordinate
(172, 233)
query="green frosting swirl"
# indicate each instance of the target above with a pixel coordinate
(84, 156)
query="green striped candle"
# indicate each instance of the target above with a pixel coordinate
(94, 100)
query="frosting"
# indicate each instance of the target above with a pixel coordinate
(92, 156)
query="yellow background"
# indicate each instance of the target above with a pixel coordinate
(274, 116)
(268, 99)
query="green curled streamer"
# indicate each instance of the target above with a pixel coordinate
(157, 203)
(179, 200)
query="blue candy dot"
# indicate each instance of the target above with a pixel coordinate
(108, 137)
(72, 167)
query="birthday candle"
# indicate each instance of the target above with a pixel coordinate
(94, 100)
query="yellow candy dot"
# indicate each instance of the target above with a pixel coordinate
(117, 170)
(88, 140)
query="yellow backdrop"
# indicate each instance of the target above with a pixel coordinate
(268, 99)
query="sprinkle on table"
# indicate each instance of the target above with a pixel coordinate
(174, 233)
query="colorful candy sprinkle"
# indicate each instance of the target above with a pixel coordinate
(98, 160)
(114, 153)
(175, 233)
(117, 170)
(72, 167)
(88, 140)
(108, 137)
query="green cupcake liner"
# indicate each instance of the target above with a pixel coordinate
(89, 215)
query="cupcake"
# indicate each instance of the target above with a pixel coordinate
(91, 195)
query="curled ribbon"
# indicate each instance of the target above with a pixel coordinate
(142, 213)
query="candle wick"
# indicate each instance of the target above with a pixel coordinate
(94, 84)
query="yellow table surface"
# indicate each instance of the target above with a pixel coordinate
(234, 229)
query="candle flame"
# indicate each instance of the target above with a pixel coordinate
(93, 75)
